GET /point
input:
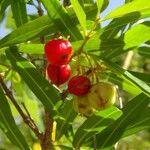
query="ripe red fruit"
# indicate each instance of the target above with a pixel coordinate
(58, 51)
(79, 85)
(58, 74)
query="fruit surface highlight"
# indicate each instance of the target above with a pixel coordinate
(102, 95)
(58, 74)
(58, 51)
(79, 85)
(82, 106)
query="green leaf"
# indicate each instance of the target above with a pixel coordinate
(39, 27)
(19, 11)
(28, 31)
(113, 133)
(93, 44)
(31, 48)
(3, 5)
(99, 5)
(140, 123)
(56, 12)
(89, 9)
(144, 51)
(44, 91)
(66, 118)
(63, 147)
(8, 125)
(96, 123)
(80, 13)
(132, 39)
(112, 29)
(135, 6)
(122, 83)
(128, 76)
(133, 36)
(142, 76)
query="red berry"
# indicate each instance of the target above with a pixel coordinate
(79, 85)
(58, 74)
(58, 51)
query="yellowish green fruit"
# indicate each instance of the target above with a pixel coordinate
(102, 95)
(81, 105)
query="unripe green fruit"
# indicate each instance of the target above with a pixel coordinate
(102, 95)
(82, 106)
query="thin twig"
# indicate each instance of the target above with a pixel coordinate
(65, 3)
(40, 13)
(25, 118)
(87, 37)
(25, 108)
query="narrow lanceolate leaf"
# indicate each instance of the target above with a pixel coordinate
(41, 26)
(138, 7)
(122, 83)
(80, 13)
(94, 124)
(144, 51)
(56, 12)
(93, 44)
(7, 124)
(132, 39)
(143, 76)
(67, 115)
(140, 123)
(3, 5)
(114, 132)
(30, 30)
(19, 11)
(127, 75)
(44, 91)
(99, 5)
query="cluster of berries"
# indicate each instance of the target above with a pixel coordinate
(88, 97)
(58, 53)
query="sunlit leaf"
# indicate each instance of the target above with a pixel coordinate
(99, 5)
(135, 6)
(80, 13)
(128, 76)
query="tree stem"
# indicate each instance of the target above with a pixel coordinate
(28, 120)
(46, 142)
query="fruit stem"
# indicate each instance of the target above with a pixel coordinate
(87, 37)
